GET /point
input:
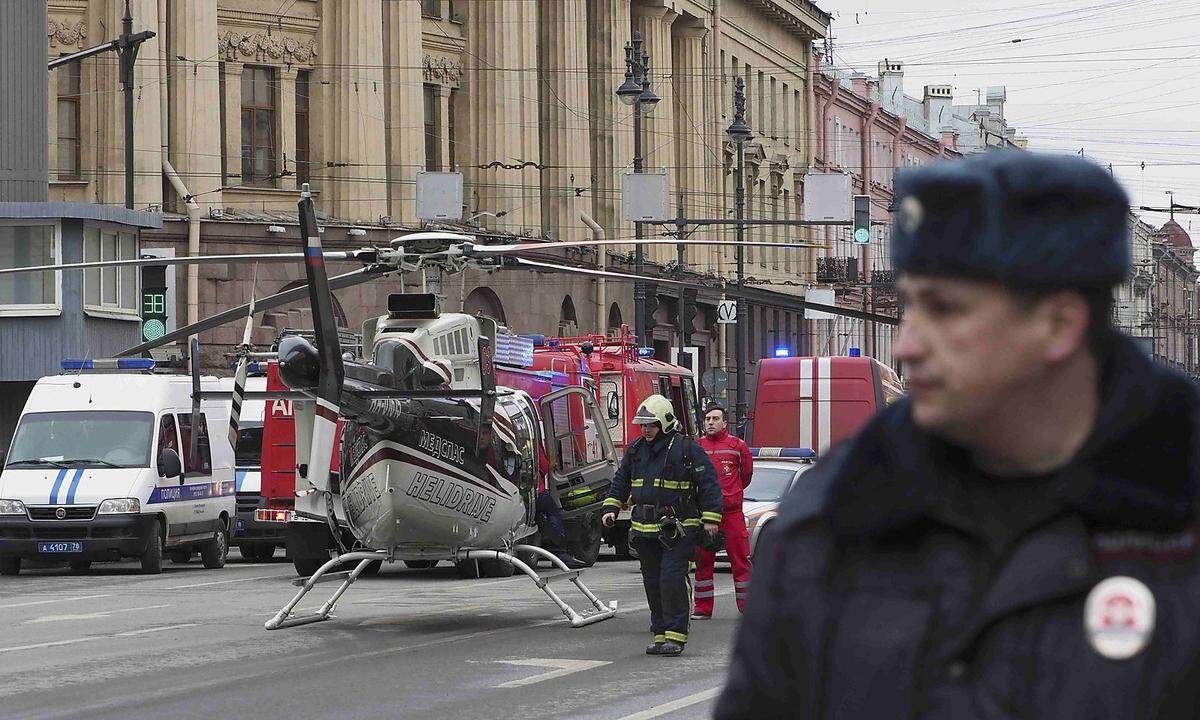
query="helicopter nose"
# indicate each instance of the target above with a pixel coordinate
(299, 363)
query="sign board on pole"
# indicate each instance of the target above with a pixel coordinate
(439, 195)
(645, 197)
(827, 197)
(690, 359)
(727, 312)
(821, 296)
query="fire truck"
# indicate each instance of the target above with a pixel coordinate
(623, 375)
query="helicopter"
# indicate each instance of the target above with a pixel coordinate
(438, 461)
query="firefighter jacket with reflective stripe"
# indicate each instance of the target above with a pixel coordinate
(731, 456)
(654, 475)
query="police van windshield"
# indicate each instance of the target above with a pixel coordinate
(248, 453)
(768, 484)
(94, 438)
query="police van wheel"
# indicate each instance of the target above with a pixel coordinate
(180, 557)
(10, 565)
(213, 552)
(372, 568)
(469, 569)
(420, 564)
(80, 565)
(153, 557)
(496, 568)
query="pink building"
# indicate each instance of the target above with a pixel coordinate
(867, 127)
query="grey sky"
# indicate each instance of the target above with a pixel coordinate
(1118, 78)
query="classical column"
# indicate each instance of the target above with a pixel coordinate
(195, 99)
(693, 152)
(443, 123)
(501, 113)
(611, 122)
(404, 122)
(564, 113)
(352, 45)
(658, 140)
(232, 173)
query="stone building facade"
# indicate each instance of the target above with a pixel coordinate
(1173, 315)
(245, 100)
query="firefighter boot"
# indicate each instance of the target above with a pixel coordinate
(671, 649)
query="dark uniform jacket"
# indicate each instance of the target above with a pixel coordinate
(880, 591)
(653, 474)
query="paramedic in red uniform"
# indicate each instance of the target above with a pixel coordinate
(731, 457)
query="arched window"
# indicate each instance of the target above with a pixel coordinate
(484, 301)
(339, 315)
(614, 317)
(567, 322)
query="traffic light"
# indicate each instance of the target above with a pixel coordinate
(154, 302)
(862, 219)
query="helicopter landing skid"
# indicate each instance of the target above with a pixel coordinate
(599, 610)
(285, 618)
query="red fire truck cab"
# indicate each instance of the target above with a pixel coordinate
(624, 375)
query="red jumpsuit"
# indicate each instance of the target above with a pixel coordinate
(731, 456)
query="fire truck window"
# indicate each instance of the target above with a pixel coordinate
(610, 395)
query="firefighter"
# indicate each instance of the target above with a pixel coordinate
(731, 457)
(674, 491)
(1017, 537)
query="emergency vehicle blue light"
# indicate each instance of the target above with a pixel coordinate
(855, 352)
(538, 340)
(783, 351)
(552, 343)
(645, 352)
(109, 364)
(782, 452)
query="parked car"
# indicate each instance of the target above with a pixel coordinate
(777, 471)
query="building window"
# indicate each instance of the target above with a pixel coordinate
(28, 246)
(110, 289)
(431, 8)
(258, 126)
(68, 121)
(302, 151)
(433, 139)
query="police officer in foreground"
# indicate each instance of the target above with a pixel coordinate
(1014, 539)
(674, 491)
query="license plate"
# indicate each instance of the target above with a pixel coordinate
(60, 547)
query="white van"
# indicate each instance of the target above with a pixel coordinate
(99, 469)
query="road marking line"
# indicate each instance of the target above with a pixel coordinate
(683, 702)
(47, 602)
(146, 631)
(563, 667)
(223, 582)
(90, 616)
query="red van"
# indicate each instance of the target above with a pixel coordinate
(816, 402)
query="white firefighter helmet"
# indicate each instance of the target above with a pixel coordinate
(656, 409)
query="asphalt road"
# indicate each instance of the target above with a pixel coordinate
(190, 643)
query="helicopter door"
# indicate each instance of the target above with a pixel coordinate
(582, 459)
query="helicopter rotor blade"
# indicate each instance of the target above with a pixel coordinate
(522, 262)
(239, 377)
(337, 282)
(191, 260)
(518, 248)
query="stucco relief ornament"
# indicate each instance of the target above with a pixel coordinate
(260, 46)
(64, 33)
(442, 70)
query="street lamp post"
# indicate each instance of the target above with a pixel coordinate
(739, 132)
(635, 91)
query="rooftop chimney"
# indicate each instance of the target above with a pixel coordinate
(858, 83)
(24, 84)
(937, 102)
(891, 86)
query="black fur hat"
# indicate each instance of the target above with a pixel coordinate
(1020, 218)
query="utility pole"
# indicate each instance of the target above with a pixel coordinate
(126, 46)
(635, 91)
(740, 133)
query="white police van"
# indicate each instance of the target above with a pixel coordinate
(100, 468)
